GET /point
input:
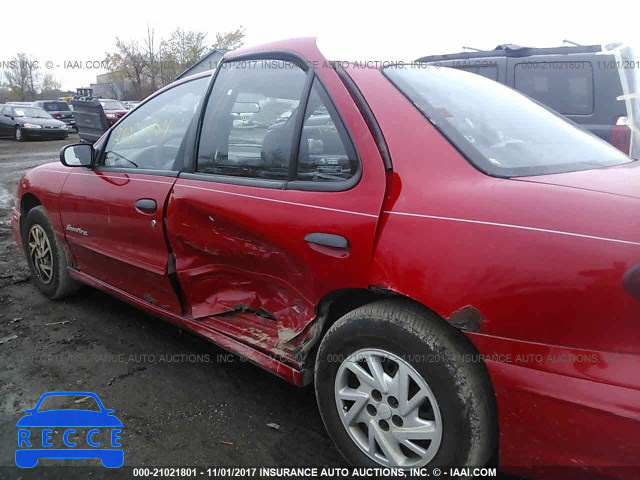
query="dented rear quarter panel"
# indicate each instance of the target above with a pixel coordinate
(533, 273)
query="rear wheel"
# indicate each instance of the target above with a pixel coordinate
(394, 389)
(46, 256)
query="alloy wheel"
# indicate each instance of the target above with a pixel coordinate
(388, 409)
(41, 254)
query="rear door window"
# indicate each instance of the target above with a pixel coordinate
(567, 87)
(249, 125)
(326, 153)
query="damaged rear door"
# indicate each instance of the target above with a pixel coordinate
(280, 207)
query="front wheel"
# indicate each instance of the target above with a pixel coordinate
(19, 134)
(46, 256)
(398, 387)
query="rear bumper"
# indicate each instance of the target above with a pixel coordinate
(564, 407)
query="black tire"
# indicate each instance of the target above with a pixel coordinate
(59, 284)
(18, 134)
(436, 351)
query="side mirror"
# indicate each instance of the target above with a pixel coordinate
(7, 115)
(78, 155)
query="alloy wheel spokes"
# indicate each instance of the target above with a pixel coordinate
(388, 409)
(40, 253)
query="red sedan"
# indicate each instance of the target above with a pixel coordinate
(113, 109)
(455, 267)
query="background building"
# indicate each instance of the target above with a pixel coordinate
(208, 62)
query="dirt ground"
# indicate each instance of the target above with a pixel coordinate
(182, 400)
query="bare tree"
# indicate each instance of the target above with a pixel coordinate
(130, 61)
(151, 59)
(146, 67)
(19, 76)
(49, 84)
(33, 77)
(230, 40)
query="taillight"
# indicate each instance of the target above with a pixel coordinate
(621, 135)
(57, 115)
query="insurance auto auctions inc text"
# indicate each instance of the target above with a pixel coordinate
(337, 472)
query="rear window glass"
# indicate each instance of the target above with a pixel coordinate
(567, 87)
(500, 131)
(111, 105)
(55, 106)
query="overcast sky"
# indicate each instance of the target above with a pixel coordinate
(84, 31)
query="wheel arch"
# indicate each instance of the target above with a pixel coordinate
(28, 201)
(336, 304)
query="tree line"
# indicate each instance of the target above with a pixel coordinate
(26, 82)
(135, 68)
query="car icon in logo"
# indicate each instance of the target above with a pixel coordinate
(69, 433)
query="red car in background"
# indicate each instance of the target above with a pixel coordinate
(455, 267)
(113, 109)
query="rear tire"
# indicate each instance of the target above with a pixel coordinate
(46, 256)
(418, 401)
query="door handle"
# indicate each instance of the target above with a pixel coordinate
(327, 240)
(146, 205)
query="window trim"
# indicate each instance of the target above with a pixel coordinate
(327, 186)
(189, 171)
(140, 171)
(367, 114)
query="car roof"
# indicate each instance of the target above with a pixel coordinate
(511, 50)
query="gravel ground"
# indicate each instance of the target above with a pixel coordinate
(182, 400)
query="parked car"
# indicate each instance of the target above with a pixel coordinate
(597, 87)
(59, 110)
(468, 279)
(24, 122)
(113, 109)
